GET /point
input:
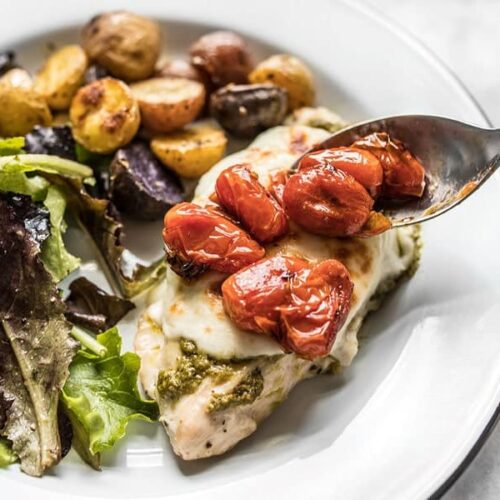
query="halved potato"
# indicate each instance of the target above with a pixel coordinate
(62, 74)
(104, 115)
(192, 151)
(21, 106)
(168, 104)
(290, 73)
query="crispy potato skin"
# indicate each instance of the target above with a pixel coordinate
(289, 73)
(22, 107)
(191, 152)
(126, 44)
(168, 104)
(224, 56)
(104, 115)
(61, 76)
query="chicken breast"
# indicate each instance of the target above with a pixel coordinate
(213, 382)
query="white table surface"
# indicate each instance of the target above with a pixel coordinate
(465, 35)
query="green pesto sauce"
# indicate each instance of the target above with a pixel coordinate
(246, 392)
(190, 370)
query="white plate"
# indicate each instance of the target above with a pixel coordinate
(427, 380)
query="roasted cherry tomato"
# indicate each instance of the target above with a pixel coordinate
(318, 304)
(327, 201)
(198, 237)
(242, 195)
(277, 185)
(253, 296)
(301, 305)
(377, 223)
(364, 166)
(404, 175)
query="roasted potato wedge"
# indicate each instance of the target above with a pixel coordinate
(289, 73)
(246, 110)
(191, 152)
(104, 115)
(22, 107)
(61, 76)
(126, 44)
(224, 56)
(168, 104)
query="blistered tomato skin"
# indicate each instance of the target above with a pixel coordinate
(252, 297)
(277, 185)
(327, 201)
(364, 166)
(241, 194)
(198, 236)
(301, 305)
(319, 302)
(404, 175)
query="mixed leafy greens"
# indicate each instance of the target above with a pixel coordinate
(45, 358)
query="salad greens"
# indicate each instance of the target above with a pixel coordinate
(56, 258)
(7, 456)
(90, 307)
(101, 396)
(35, 343)
(59, 383)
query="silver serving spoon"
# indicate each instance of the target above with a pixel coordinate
(458, 159)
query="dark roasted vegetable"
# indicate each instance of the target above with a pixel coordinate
(90, 307)
(7, 61)
(57, 141)
(140, 185)
(224, 56)
(35, 346)
(246, 110)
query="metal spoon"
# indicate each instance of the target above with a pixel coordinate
(458, 159)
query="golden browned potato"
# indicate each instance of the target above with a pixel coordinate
(104, 115)
(21, 106)
(126, 44)
(168, 104)
(17, 77)
(61, 76)
(224, 56)
(191, 151)
(289, 73)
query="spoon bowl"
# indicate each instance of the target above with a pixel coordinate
(458, 158)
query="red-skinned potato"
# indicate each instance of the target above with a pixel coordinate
(224, 56)
(167, 104)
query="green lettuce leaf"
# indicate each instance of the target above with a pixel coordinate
(101, 397)
(58, 261)
(7, 456)
(11, 146)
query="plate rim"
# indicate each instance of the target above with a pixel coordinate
(418, 45)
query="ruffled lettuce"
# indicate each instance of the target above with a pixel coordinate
(101, 397)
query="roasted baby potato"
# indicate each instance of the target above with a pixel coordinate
(289, 73)
(246, 110)
(224, 56)
(126, 44)
(168, 104)
(22, 107)
(192, 151)
(61, 76)
(178, 68)
(140, 185)
(104, 115)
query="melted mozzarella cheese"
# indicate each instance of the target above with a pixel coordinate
(194, 310)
